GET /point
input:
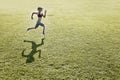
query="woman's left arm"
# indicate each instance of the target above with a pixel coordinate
(45, 12)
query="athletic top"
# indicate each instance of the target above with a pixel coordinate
(40, 15)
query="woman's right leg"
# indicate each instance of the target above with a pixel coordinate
(32, 27)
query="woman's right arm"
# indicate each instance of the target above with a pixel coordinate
(33, 14)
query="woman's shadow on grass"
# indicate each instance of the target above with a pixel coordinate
(30, 56)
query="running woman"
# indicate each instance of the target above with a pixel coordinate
(40, 13)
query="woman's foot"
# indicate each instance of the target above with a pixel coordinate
(43, 33)
(28, 29)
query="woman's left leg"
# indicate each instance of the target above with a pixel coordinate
(44, 27)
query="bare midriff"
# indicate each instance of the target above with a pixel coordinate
(40, 18)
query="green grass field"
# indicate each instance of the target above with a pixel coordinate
(82, 40)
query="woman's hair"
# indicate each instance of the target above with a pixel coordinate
(39, 8)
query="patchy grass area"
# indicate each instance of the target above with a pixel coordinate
(82, 41)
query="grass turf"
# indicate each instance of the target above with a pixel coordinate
(82, 41)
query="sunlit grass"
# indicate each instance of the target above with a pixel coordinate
(82, 40)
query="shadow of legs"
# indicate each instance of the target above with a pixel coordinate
(39, 53)
(30, 56)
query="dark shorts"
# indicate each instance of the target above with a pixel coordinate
(39, 23)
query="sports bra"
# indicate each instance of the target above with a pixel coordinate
(40, 15)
